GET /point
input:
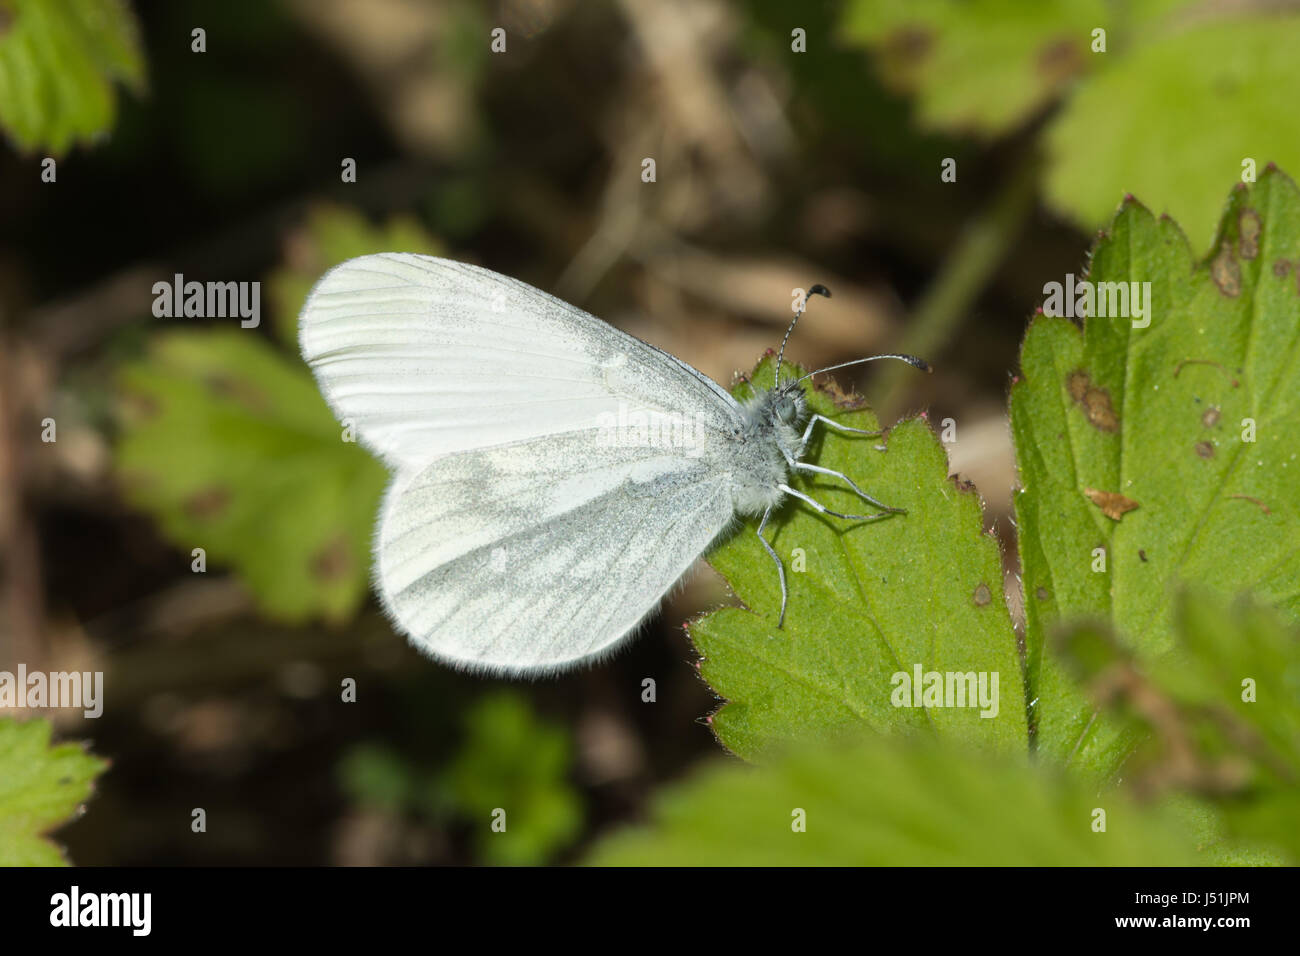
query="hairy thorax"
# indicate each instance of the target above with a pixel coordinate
(768, 432)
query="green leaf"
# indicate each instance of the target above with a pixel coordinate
(1197, 101)
(1218, 718)
(893, 802)
(1198, 88)
(1224, 647)
(231, 447)
(513, 762)
(872, 600)
(979, 65)
(1160, 416)
(333, 234)
(1204, 825)
(59, 60)
(41, 787)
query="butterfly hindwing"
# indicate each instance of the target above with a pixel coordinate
(535, 556)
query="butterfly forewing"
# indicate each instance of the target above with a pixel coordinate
(427, 356)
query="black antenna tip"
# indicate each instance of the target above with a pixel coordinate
(819, 289)
(920, 363)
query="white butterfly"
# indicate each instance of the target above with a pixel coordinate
(553, 476)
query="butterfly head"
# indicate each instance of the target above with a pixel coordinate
(786, 404)
(777, 414)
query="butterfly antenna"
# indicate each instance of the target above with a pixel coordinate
(816, 289)
(911, 360)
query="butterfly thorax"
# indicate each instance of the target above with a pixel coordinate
(769, 436)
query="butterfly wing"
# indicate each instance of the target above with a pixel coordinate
(533, 557)
(430, 356)
(519, 534)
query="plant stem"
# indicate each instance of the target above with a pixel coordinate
(965, 274)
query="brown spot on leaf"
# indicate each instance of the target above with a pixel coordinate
(1255, 501)
(1077, 382)
(1179, 367)
(238, 390)
(1097, 405)
(1142, 556)
(1211, 416)
(1094, 401)
(1281, 267)
(207, 504)
(140, 407)
(842, 399)
(333, 562)
(1205, 449)
(982, 595)
(908, 44)
(1041, 593)
(1112, 504)
(1248, 228)
(1226, 272)
(1060, 60)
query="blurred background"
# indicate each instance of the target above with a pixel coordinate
(791, 144)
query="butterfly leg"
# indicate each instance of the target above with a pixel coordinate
(817, 469)
(807, 432)
(835, 514)
(780, 568)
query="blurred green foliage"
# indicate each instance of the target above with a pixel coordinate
(1180, 97)
(228, 444)
(836, 90)
(41, 787)
(893, 801)
(977, 66)
(376, 777)
(509, 760)
(1219, 714)
(59, 63)
(513, 762)
(1174, 118)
